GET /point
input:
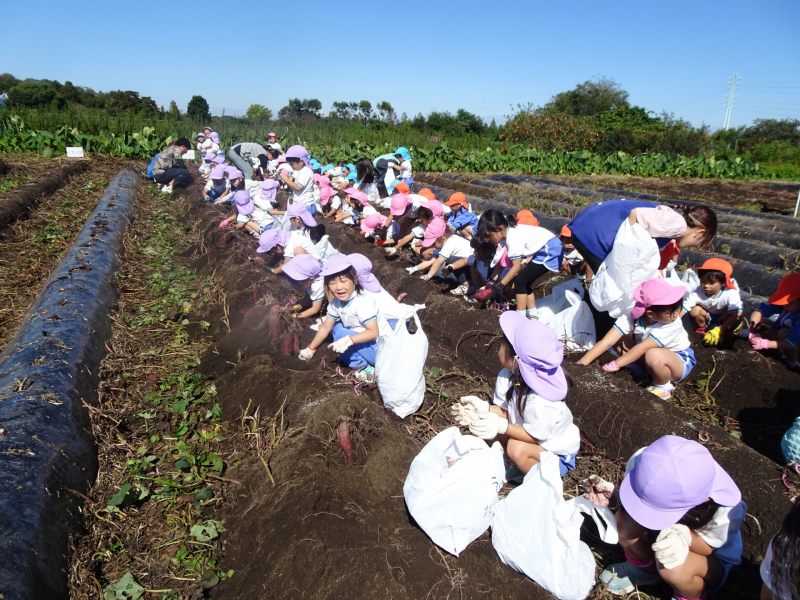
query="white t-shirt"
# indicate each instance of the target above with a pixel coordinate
(418, 231)
(262, 217)
(405, 172)
(549, 422)
(671, 336)
(317, 290)
(722, 532)
(455, 248)
(526, 240)
(298, 239)
(368, 210)
(359, 310)
(725, 300)
(305, 179)
(573, 257)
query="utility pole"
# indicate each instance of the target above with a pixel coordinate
(730, 101)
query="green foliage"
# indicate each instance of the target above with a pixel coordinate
(589, 98)
(258, 111)
(131, 101)
(550, 131)
(301, 111)
(198, 110)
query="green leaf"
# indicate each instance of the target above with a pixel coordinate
(206, 531)
(125, 589)
(182, 464)
(208, 579)
(124, 497)
(180, 406)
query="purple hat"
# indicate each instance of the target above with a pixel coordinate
(539, 353)
(244, 203)
(233, 173)
(208, 127)
(268, 189)
(302, 267)
(210, 156)
(336, 264)
(201, 134)
(672, 476)
(300, 211)
(363, 268)
(271, 237)
(218, 172)
(219, 159)
(298, 152)
(655, 292)
(214, 137)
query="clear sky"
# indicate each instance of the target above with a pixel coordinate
(420, 55)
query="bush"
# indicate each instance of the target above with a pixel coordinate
(550, 131)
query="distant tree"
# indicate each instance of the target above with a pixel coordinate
(419, 122)
(130, 100)
(493, 125)
(403, 118)
(774, 130)
(7, 81)
(258, 111)
(304, 111)
(470, 122)
(589, 98)
(198, 109)
(386, 112)
(365, 111)
(344, 110)
(174, 111)
(32, 94)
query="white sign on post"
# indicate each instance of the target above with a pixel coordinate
(73, 152)
(189, 155)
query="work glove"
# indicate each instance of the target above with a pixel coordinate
(391, 250)
(611, 367)
(425, 277)
(306, 353)
(341, 345)
(672, 546)
(712, 337)
(488, 426)
(380, 233)
(480, 406)
(412, 270)
(598, 490)
(759, 343)
(497, 291)
(462, 415)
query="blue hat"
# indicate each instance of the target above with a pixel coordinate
(403, 152)
(314, 164)
(394, 183)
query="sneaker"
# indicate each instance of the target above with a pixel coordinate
(167, 189)
(391, 250)
(513, 475)
(663, 393)
(623, 578)
(460, 290)
(470, 300)
(367, 375)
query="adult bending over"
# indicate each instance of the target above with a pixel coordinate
(169, 169)
(244, 154)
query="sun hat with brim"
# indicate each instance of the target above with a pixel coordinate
(372, 222)
(269, 187)
(436, 207)
(526, 217)
(457, 199)
(672, 476)
(210, 156)
(219, 159)
(244, 203)
(357, 194)
(271, 134)
(271, 237)
(722, 265)
(325, 194)
(208, 127)
(201, 134)
(393, 186)
(539, 355)
(233, 173)
(655, 292)
(300, 211)
(427, 193)
(566, 231)
(363, 267)
(401, 187)
(399, 204)
(403, 152)
(314, 164)
(326, 168)
(336, 264)
(217, 172)
(433, 232)
(788, 290)
(302, 267)
(214, 137)
(321, 180)
(298, 152)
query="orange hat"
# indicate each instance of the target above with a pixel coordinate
(401, 187)
(566, 231)
(525, 217)
(456, 199)
(427, 194)
(720, 264)
(788, 290)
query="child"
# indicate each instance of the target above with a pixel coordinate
(483, 269)
(404, 169)
(244, 207)
(201, 138)
(780, 571)
(235, 183)
(286, 244)
(372, 227)
(365, 176)
(207, 164)
(679, 521)
(399, 204)
(572, 263)
(301, 182)
(266, 208)
(655, 337)
(272, 142)
(715, 303)
(303, 270)
(349, 173)
(464, 221)
(781, 330)
(390, 309)
(451, 254)
(273, 154)
(353, 202)
(353, 318)
(213, 137)
(301, 219)
(536, 244)
(217, 186)
(529, 415)
(417, 234)
(526, 217)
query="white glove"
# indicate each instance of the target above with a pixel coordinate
(341, 345)
(599, 490)
(672, 546)
(391, 250)
(488, 426)
(412, 270)
(306, 354)
(462, 415)
(480, 406)
(425, 277)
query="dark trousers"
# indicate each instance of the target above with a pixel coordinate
(181, 177)
(603, 322)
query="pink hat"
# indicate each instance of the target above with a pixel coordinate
(271, 237)
(357, 194)
(233, 173)
(321, 180)
(244, 203)
(268, 189)
(325, 194)
(672, 476)
(434, 231)
(210, 156)
(302, 267)
(436, 207)
(655, 292)
(218, 172)
(300, 211)
(399, 204)
(539, 353)
(372, 222)
(363, 268)
(271, 134)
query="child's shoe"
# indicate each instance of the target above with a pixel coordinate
(167, 189)
(623, 578)
(367, 375)
(460, 290)
(662, 391)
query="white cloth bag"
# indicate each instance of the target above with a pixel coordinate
(569, 316)
(535, 532)
(399, 365)
(451, 487)
(633, 260)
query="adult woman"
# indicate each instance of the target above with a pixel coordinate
(631, 226)
(168, 167)
(243, 154)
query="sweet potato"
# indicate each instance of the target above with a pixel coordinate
(343, 433)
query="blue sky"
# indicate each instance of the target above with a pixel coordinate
(422, 55)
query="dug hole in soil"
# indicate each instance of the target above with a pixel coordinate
(305, 521)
